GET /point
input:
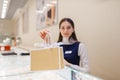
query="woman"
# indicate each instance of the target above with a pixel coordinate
(74, 51)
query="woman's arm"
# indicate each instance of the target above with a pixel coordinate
(84, 62)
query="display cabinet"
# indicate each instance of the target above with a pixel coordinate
(17, 67)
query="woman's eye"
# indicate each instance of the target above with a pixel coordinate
(68, 27)
(62, 28)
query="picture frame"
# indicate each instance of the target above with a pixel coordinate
(46, 13)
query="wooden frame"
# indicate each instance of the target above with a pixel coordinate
(46, 13)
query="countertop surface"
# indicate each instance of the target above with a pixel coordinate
(17, 67)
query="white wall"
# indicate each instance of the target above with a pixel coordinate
(6, 29)
(6, 26)
(32, 36)
(97, 25)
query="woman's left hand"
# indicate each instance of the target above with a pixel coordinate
(67, 63)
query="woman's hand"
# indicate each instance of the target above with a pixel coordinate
(67, 63)
(43, 34)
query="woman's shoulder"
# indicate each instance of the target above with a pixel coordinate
(81, 44)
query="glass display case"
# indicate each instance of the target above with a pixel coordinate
(17, 67)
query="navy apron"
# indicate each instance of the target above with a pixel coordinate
(71, 53)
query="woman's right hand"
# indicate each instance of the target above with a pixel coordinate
(43, 34)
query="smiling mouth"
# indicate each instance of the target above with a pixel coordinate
(66, 34)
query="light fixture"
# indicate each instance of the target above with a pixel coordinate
(5, 7)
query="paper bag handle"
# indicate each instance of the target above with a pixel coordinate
(48, 39)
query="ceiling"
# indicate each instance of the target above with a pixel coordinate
(13, 6)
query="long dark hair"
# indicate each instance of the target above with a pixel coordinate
(73, 35)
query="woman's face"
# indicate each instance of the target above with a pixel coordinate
(66, 29)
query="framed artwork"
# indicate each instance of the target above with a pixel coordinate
(46, 13)
(40, 20)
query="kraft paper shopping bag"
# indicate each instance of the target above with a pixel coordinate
(47, 59)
